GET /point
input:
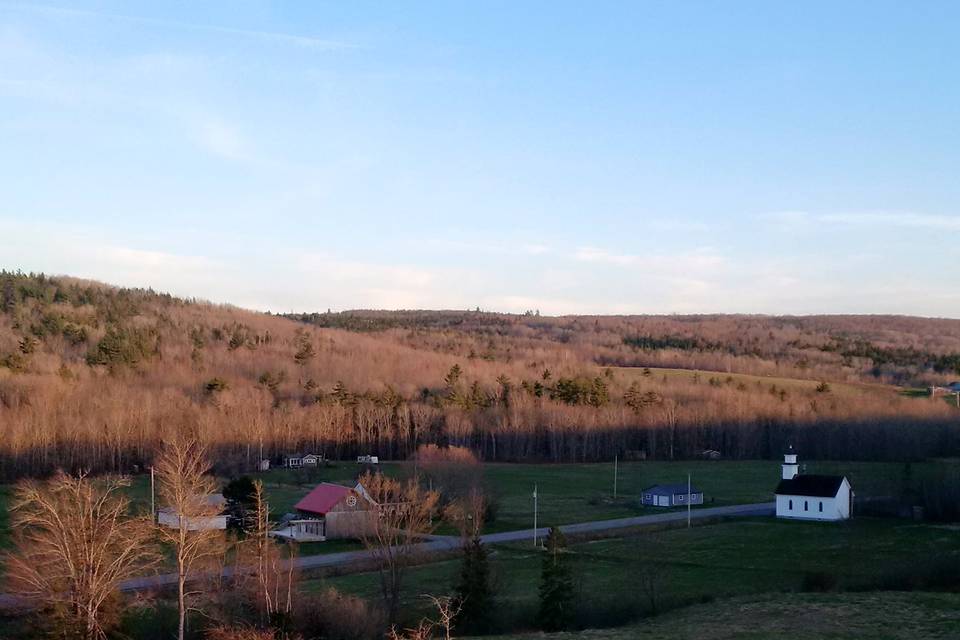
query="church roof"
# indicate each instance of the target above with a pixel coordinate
(810, 485)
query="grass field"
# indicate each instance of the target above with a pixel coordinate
(805, 616)
(840, 389)
(570, 493)
(729, 559)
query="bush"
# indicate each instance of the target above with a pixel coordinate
(334, 616)
(819, 582)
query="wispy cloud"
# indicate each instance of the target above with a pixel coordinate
(793, 220)
(700, 259)
(299, 40)
(220, 139)
(903, 220)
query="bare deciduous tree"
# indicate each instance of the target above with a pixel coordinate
(467, 513)
(185, 489)
(275, 576)
(405, 513)
(75, 544)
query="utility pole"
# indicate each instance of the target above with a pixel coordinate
(688, 500)
(153, 508)
(534, 516)
(614, 477)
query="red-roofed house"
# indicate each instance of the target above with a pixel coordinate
(329, 511)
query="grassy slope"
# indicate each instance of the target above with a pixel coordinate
(881, 616)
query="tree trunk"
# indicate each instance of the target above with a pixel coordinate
(181, 605)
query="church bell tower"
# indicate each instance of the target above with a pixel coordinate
(790, 466)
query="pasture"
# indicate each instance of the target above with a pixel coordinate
(801, 616)
(729, 559)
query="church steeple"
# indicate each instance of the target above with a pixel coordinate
(790, 467)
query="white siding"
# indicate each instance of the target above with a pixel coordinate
(837, 508)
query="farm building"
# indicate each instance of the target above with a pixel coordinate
(311, 460)
(807, 496)
(329, 511)
(293, 460)
(671, 495)
(168, 517)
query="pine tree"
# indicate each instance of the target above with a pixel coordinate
(474, 594)
(556, 585)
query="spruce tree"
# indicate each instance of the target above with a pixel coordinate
(473, 590)
(556, 585)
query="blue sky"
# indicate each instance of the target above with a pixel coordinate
(628, 157)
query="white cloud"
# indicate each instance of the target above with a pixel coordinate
(299, 40)
(220, 139)
(794, 220)
(891, 219)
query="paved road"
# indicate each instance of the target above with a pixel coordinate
(449, 543)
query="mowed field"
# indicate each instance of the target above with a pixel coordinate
(728, 559)
(799, 616)
(839, 389)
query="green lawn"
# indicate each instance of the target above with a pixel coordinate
(805, 616)
(733, 558)
(570, 493)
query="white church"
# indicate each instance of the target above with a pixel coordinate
(810, 496)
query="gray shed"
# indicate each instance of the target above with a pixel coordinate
(670, 495)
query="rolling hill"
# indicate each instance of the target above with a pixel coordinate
(93, 376)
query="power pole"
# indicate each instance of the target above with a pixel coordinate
(153, 509)
(614, 477)
(534, 516)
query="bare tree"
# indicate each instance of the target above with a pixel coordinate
(405, 512)
(447, 611)
(467, 512)
(275, 577)
(75, 544)
(185, 490)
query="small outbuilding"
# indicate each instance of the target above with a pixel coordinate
(671, 495)
(311, 460)
(217, 519)
(293, 460)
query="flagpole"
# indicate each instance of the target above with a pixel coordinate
(534, 515)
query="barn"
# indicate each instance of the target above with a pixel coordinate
(329, 511)
(671, 495)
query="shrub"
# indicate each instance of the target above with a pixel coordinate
(819, 581)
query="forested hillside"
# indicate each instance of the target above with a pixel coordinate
(93, 376)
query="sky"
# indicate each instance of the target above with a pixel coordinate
(566, 157)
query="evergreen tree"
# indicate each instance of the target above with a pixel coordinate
(474, 593)
(556, 585)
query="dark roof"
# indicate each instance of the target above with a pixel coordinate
(810, 485)
(670, 489)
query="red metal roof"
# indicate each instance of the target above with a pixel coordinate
(321, 500)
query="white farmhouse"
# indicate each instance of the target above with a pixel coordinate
(811, 496)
